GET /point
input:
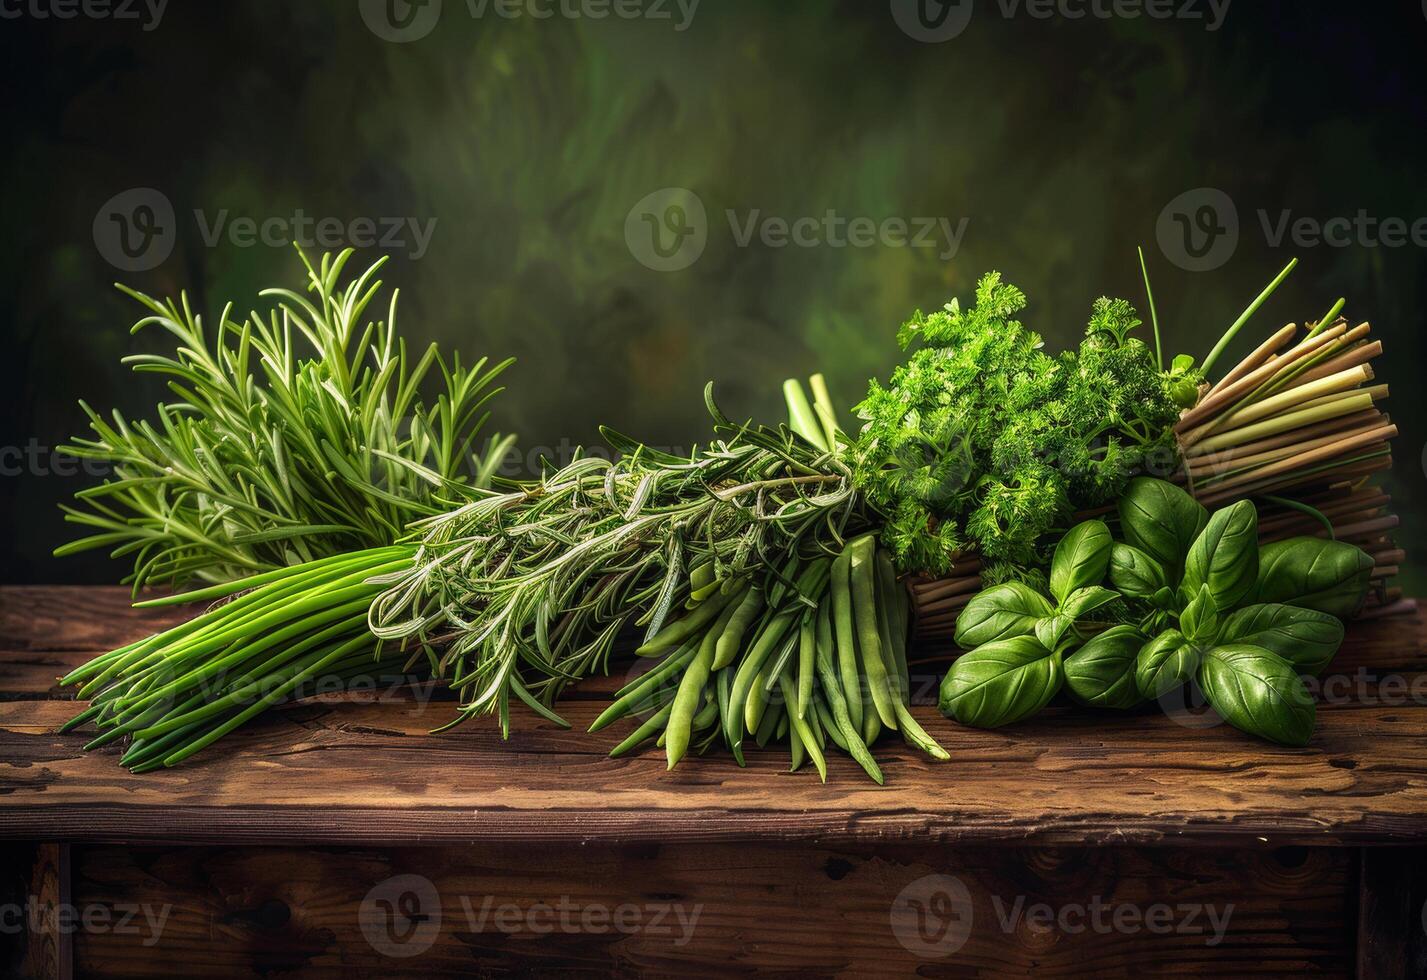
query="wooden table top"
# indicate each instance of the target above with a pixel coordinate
(363, 768)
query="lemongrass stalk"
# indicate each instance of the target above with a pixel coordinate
(1344, 380)
(1251, 381)
(1288, 464)
(1255, 360)
(1197, 457)
(1209, 413)
(1319, 356)
(800, 414)
(1360, 466)
(823, 407)
(1329, 317)
(1238, 324)
(1340, 359)
(1331, 407)
(1230, 464)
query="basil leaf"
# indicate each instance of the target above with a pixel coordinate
(1102, 673)
(1165, 663)
(1258, 692)
(1052, 629)
(1080, 559)
(1306, 638)
(1162, 521)
(1225, 556)
(1166, 599)
(1200, 619)
(999, 613)
(1135, 573)
(1084, 601)
(1315, 573)
(1001, 683)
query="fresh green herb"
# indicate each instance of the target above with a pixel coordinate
(266, 457)
(981, 440)
(1185, 581)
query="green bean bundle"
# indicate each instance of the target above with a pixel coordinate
(825, 665)
(527, 590)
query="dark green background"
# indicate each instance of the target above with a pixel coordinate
(529, 141)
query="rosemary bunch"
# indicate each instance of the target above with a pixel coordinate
(290, 436)
(527, 590)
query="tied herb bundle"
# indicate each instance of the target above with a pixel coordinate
(820, 662)
(267, 456)
(527, 591)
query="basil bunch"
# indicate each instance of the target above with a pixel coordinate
(1200, 602)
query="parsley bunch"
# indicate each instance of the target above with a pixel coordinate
(983, 441)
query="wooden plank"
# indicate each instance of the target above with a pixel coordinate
(716, 910)
(1392, 913)
(371, 773)
(37, 921)
(76, 618)
(48, 630)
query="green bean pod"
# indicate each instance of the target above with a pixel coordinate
(747, 610)
(846, 636)
(691, 689)
(802, 733)
(869, 642)
(685, 627)
(807, 649)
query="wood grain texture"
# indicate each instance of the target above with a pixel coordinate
(370, 773)
(1392, 913)
(717, 910)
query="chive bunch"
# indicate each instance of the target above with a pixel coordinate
(179, 691)
(821, 661)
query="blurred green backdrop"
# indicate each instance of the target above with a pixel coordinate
(528, 139)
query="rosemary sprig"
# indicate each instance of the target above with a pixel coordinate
(289, 436)
(527, 590)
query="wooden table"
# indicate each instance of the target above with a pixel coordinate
(335, 837)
